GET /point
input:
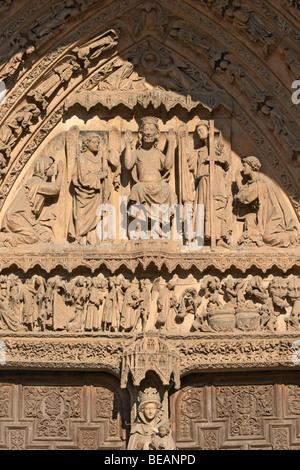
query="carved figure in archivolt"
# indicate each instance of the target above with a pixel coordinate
(17, 51)
(150, 166)
(122, 76)
(267, 219)
(51, 21)
(30, 216)
(209, 169)
(145, 433)
(91, 187)
(61, 75)
(92, 49)
(13, 129)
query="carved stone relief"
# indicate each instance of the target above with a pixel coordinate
(100, 305)
(99, 167)
(52, 416)
(237, 416)
(149, 223)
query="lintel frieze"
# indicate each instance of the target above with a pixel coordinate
(196, 352)
(140, 257)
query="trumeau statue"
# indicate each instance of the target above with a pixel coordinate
(156, 111)
(148, 433)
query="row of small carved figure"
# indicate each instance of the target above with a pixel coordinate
(23, 118)
(116, 304)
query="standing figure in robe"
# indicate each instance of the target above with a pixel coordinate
(199, 165)
(27, 299)
(267, 218)
(130, 305)
(167, 306)
(79, 296)
(91, 188)
(148, 419)
(93, 318)
(113, 305)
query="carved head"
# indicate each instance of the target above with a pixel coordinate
(150, 406)
(202, 129)
(190, 293)
(44, 167)
(250, 164)
(148, 131)
(278, 286)
(172, 284)
(91, 143)
(164, 430)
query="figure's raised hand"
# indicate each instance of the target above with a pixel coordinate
(128, 137)
(182, 132)
(171, 136)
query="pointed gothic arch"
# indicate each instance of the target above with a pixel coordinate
(78, 70)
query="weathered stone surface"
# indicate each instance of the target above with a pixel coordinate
(149, 225)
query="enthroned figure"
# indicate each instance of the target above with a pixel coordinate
(150, 167)
(267, 218)
(25, 222)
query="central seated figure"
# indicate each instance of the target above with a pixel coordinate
(150, 167)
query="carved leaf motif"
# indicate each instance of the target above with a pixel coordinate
(192, 403)
(210, 439)
(293, 399)
(104, 402)
(245, 406)
(53, 405)
(72, 403)
(88, 439)
(17, 439)
(52, 428)
(281, 439)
